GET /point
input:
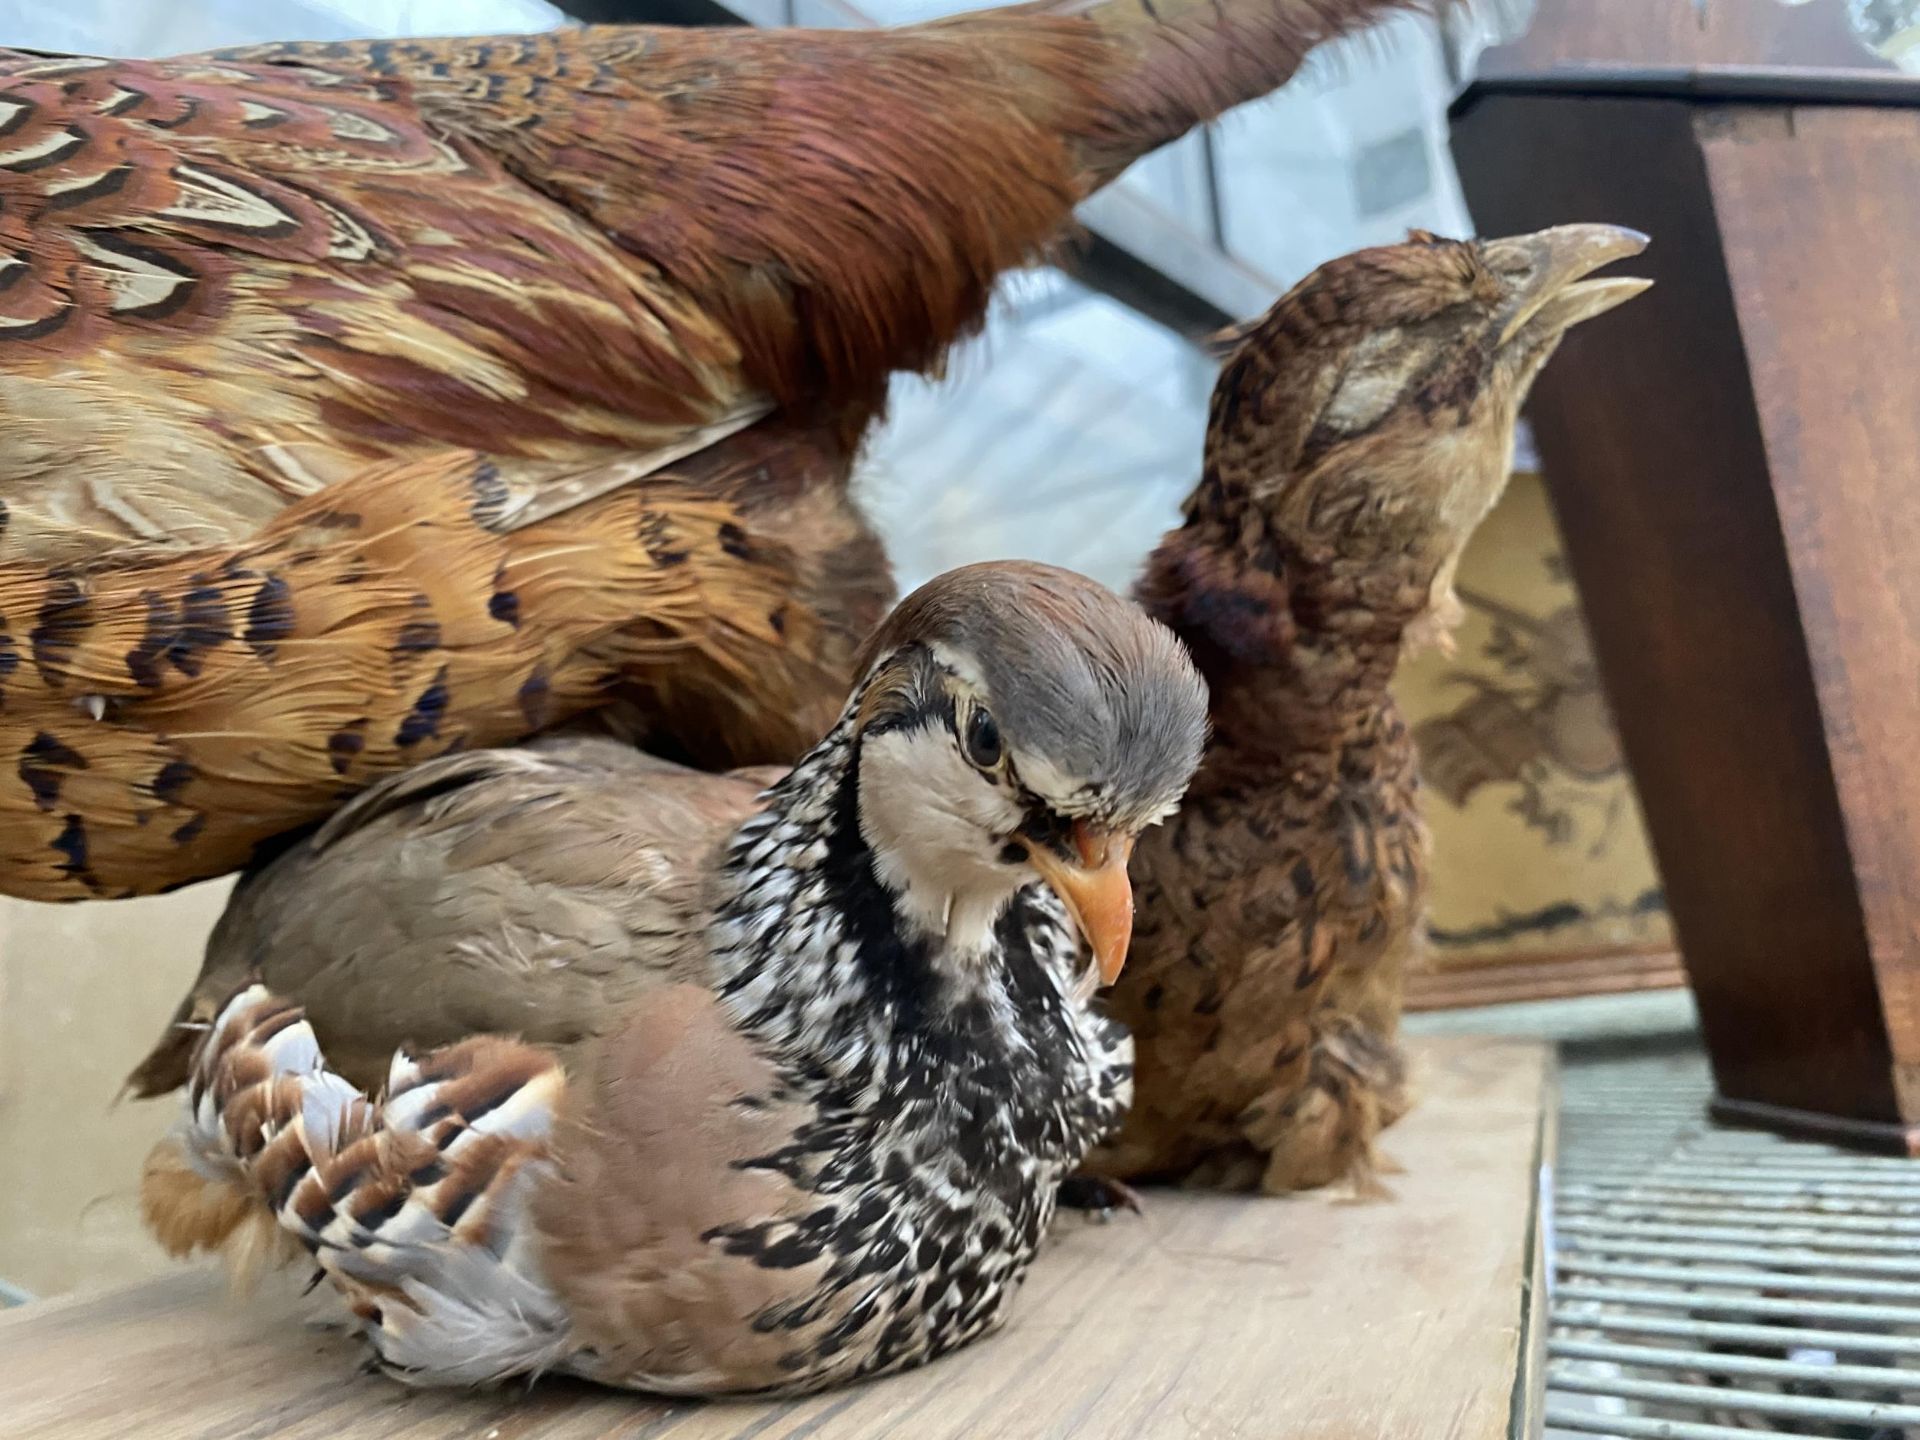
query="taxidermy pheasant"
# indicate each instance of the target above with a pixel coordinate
(369, 401)
(1358, 435)
(799, 1072)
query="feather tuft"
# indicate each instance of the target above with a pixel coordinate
(425, 1202)
(191, 1212)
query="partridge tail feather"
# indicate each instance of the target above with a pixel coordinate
(197, 1190)
(414, 1207)
(194, 1200)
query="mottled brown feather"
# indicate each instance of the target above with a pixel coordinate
(379, 623)
(1358, 434)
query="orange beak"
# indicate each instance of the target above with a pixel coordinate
(1096, 893)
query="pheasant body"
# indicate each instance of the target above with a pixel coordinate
(1291, 884)
(1357, 435)
(554, 265)
(432, 631)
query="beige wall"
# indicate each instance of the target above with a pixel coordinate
(84, 989)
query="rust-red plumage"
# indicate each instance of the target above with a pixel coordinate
(532, 270)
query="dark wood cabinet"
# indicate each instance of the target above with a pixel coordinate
(1735, 462)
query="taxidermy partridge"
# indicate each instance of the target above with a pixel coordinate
(1357, 436)
(369, 401)
(797, 1074)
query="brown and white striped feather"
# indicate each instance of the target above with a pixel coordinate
(414, 1207)
(488, 1218)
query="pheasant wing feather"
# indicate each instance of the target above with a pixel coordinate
(301, 260)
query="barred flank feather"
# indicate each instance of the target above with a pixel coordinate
(414, 1208)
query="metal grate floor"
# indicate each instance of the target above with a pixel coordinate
(1717, 1284)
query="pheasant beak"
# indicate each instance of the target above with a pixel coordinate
(1095, 892)
(1556, 295)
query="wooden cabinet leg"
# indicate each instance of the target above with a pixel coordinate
(1735, 462)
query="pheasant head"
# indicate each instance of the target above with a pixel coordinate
(1366, 422)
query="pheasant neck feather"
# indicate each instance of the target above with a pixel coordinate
(1298, 642)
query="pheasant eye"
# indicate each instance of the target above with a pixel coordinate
(982, 740)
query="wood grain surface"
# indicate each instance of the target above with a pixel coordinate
(1216, 1318)
(1733, 466)
(1817, 212)
(1568, 33)
(1506, 982)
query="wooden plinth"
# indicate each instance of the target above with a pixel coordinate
(1315, 1318)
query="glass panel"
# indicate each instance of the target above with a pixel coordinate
(1069, 432)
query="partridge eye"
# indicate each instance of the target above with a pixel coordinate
(983, 740)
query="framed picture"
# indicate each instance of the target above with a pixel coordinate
(1543, 883)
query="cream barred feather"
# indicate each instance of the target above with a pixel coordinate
(414, 1207)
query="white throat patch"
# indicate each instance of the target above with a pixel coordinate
(933, 823)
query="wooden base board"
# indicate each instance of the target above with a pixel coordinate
(1210, 1317)
(1878, 1136)
(1453, 986)
(1526, 1418)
